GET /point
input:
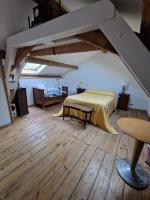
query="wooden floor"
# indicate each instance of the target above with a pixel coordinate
(45, 158)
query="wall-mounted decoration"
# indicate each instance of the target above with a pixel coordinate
(41, 13)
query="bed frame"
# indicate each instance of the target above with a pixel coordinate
(42, 101)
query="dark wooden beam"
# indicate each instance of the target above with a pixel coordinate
(97, 39)
(42, 52)
(2, 54)
(20, 55)
(65, 49)
(145, 24)
(50, 63)
(94, 38)
(39, 76)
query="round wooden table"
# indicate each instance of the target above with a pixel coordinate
(131, 172)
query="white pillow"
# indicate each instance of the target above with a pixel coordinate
(53, 89)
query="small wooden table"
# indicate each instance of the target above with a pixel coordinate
(131, 172)
(84, 109)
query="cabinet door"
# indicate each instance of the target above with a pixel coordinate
(21, 102)
(123, 102)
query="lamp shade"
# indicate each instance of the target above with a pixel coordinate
(125, 84)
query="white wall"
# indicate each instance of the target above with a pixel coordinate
(103, 71)
(13, 18)
(4, 111)
(106, 71)
(29, 83)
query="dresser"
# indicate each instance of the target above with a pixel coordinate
(123, 101)
(21, 102)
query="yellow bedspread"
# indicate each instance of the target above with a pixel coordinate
(103, 104)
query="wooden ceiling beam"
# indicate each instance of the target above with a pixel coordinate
(94, 38)
(50, 63)
(65, 49)
(20, 55)
(2, 54)
(145, 24)
(97, 39)
(39, 76)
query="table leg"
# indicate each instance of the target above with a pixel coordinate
(90, 116)
(138, 146)
(63, 112)
(131, 172)
(84, 126)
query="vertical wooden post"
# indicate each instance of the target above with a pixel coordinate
(5, 88)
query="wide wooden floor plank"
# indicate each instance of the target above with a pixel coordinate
(33, 181)
(14, 162)
(8, 181)
(116, 186)
(70, 160)
(101, 185)
(43, 157)
(83, 189)
(73, 178)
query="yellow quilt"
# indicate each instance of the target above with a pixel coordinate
(103, 104)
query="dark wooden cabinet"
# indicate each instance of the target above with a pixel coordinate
(123, 101)
(80, 90)
(21, 102)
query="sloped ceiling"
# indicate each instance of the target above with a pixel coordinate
(131, 12)
(73, 59)
(129, 9)
(13, 14)
(13, 18)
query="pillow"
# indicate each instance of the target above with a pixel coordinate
(101, 92)
(54, 91)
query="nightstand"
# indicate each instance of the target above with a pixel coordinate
(80, 90)
(123, 101)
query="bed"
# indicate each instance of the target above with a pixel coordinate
(44, 98)
(103, 104)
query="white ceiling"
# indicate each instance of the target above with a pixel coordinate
(73, 59)
(11, 11)
(13, 18)
(129, 9)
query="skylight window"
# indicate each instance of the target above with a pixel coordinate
(32, 68)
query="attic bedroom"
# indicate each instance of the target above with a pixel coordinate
(75, 100)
